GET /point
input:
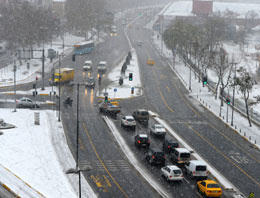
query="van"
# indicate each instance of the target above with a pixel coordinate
(180, 155)
(197, 169)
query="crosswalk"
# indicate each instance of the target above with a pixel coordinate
(110, 165)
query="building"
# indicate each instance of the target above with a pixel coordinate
(58, 7)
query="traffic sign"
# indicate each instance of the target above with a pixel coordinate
(115, 90)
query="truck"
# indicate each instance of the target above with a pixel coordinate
(62, 75)
(109, 109)
(142, 116)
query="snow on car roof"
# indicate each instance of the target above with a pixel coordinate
(182, 150)
(198, 162)
(158, 125)
(173, 167)
(88, 61)
(143, 135)
(129, 117)
(102, 62)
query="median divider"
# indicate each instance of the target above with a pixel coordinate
(132, 159)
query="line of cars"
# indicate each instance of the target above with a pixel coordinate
(88, 66)
(180, 157)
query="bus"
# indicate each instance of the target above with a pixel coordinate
(83, 48)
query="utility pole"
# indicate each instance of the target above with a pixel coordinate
(43, 69)
(59, 88)
(77, 149)
(14, 86)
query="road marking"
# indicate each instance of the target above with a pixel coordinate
(112, 165)
(161, 93)
(168, 89)
(226, 157)
(100, 160)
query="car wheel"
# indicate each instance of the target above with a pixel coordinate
(20, 106)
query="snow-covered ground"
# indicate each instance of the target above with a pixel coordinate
(37, 156)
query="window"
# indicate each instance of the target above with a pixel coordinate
(213, 186)
(201, 168)
(184, 155)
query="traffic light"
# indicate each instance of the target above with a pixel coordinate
(130, 76)
(106, 99)
(73, 57)
(205, 80)
(228, 101)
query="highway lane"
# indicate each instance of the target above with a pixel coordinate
(218, 144)
(112, 175)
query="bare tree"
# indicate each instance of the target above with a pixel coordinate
(245, 83)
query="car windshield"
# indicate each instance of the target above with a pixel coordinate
(90, 80)
(159, 127)
(130, 120)
(213, 186)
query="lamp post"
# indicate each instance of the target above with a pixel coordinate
(59, 88)
(14, 86)
(77, 169)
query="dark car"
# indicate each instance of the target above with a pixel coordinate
(155, 156)
(169, 145)
(142, 140)
(90, 82)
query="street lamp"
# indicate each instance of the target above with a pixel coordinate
(59, 87)
(14, 86)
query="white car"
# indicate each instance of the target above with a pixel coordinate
(27, 102)
(158, 130)
(102, 66)
(172, 173)
(128, 121)
(87, 65)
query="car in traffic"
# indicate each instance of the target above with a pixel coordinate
(102, 66)
(172, 173)
(209, 188)
(25, 102)
(180, 155)
(87, 65)
(197, 169)
(128, 122)
(157, 130)
(142, 140)
(142, 116)
(169, 145)
(90, 82)
(155, 156)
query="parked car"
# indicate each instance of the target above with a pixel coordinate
(180, 155)
(27, 102)
(102, 66)
(209, 188)
(169, 145)
(158, 130)
(128, 122)
(155, 156)
(197, 169)
(172, 173)
(142, 140)
(141, 115)
(87, 65)
(90, 82)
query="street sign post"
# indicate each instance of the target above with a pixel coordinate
(115, 90)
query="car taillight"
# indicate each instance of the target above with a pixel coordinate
(139, 142)
(209, 191)
(148, 141)
(179, 158)
(164, 157)
(153, 157)
(170, 176)
(193, 172)
(169, 147)
(207, 172)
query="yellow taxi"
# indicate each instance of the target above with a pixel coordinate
(150, 61)
(209, 188)
(113, 102)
